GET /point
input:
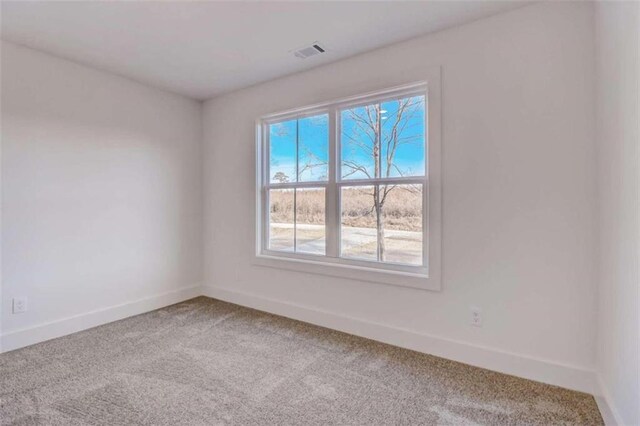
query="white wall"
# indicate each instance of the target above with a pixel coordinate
(519, 196)
(618, 136)
(101, 196)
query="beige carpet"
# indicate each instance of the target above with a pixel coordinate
(206, 362)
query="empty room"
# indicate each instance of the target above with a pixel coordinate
(320, 212)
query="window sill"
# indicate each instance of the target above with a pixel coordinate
(352, 272)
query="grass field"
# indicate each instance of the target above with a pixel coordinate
(401, 215)
(402, 209)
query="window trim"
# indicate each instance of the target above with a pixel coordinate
(427, 276)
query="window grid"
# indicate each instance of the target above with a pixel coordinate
(335, 182)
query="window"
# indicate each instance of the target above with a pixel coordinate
(347, 188)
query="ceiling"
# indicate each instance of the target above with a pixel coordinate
(202, 49)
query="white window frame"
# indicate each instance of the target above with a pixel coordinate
(425, 277)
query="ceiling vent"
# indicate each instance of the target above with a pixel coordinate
(308, 51)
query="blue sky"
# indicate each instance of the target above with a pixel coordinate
(313, 143)
(357, 143)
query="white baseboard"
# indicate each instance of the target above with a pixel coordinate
(50, 330)
(540, 370)
(606, 406)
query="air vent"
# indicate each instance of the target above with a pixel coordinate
(308, 51)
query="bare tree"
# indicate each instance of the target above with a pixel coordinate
(311, 162)
(376, 138)
(306, 159)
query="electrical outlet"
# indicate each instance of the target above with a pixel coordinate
(19, 305)
(476, 317)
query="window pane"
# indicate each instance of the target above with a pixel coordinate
(403, 137)
(281, 220)
(310, 216)
(358, 224)
(402, 224)
(282, 155)
(313, 148)
(358, 139)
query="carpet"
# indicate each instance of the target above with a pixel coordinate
(207, 362)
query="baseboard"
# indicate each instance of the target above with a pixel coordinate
(606, 406)
(540, 370)
(50, 330)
